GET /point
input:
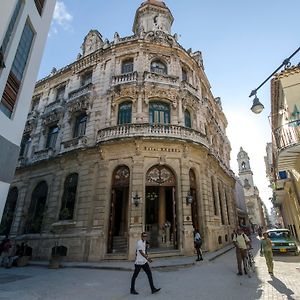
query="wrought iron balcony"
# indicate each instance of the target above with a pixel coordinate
(125, 78)
(287, 139)
(151, 131)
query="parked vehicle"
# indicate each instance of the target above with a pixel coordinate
(282, 241)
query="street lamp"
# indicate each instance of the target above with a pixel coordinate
(136, 199)
(257, 107)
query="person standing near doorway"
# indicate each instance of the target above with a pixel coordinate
(266, 250)
(198, 244)
(141, 262)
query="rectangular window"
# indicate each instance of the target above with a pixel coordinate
(13, 83)
(35, 103)
(11, 26)
(80, 126)
(52, 136)
(60, 92)
(127, 66)
(39, 5)
(86, 78)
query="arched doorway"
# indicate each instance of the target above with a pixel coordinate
(193, 191)
(9, 211)
(161, 223)
(118, 217)
(37, 208)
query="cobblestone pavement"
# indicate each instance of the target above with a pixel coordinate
(206, 281)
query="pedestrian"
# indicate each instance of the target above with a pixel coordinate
(266, 250)
(5, 254)
(240, 241)
(141, 262)
(198, 244)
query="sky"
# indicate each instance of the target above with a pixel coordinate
(242, 43)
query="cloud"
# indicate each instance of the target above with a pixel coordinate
(61, 18)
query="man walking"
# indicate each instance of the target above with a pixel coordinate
(240, 240)
(198, 244)
(141, 262)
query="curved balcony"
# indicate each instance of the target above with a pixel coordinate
(124, 78)
(147, 130)
(287, 139)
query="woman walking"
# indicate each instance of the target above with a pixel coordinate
(266, 249)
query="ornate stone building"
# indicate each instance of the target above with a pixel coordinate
(126, 138)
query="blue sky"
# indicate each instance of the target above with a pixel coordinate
(242, 43)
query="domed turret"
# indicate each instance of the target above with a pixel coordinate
(152, 15)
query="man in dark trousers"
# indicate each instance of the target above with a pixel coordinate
(141, 262)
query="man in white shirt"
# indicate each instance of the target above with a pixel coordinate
(240, 240)
(141, 262)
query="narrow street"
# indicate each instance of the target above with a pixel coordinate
(207, 280)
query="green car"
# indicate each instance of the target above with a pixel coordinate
(282, 241)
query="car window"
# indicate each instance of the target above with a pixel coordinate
(279, 234)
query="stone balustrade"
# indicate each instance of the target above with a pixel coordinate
(190, 88)
(151, 130)
(161, 78)
(42, 154)
(125, 78)
(83, 90)
(74, 143)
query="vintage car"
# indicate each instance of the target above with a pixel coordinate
(282, 241)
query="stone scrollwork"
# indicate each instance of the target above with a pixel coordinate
(128, 92)
(160, 37)
(162, 94)
(52, 117)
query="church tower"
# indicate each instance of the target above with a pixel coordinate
(245, 172)
(252, 199)
(152, 15)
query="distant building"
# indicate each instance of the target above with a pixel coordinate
(125, 139)
(254, 203)
(285, 117)
(24, 28)
(242, 214)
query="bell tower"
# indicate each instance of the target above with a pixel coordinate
(152, 15)
(245, 172)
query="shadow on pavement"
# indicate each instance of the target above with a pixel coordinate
(281, 288)
(287, 258)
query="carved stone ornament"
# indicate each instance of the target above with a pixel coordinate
(80, 104)
(30, 124)
(160, 37)
(156, 93)
(122, 92)
(52, 117)
(190, 101)
(160, 175)
(121, 176)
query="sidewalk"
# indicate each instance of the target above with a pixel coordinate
(124, 265)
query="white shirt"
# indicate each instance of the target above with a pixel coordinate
(140, 245)
(241, 240)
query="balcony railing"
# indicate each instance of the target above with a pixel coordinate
(42, 154)
(56, 105)
(74, 143)
(287, 135)
(151, 131)
(82, 91)
(125, 78)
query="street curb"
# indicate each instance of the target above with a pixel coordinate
(219, 254)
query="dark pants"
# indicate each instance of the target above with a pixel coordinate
(198, 249)
(137, 269)
(240, 256)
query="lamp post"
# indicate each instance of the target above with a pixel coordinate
(257, 107)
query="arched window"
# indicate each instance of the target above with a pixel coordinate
(184, 75)
(127, 66)
(80, 125)
(214, 196)
(9, 211)
(187, 119)
(37, 208)
(124, 116)
(159, 113)
(158, 67)
(69, 197)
